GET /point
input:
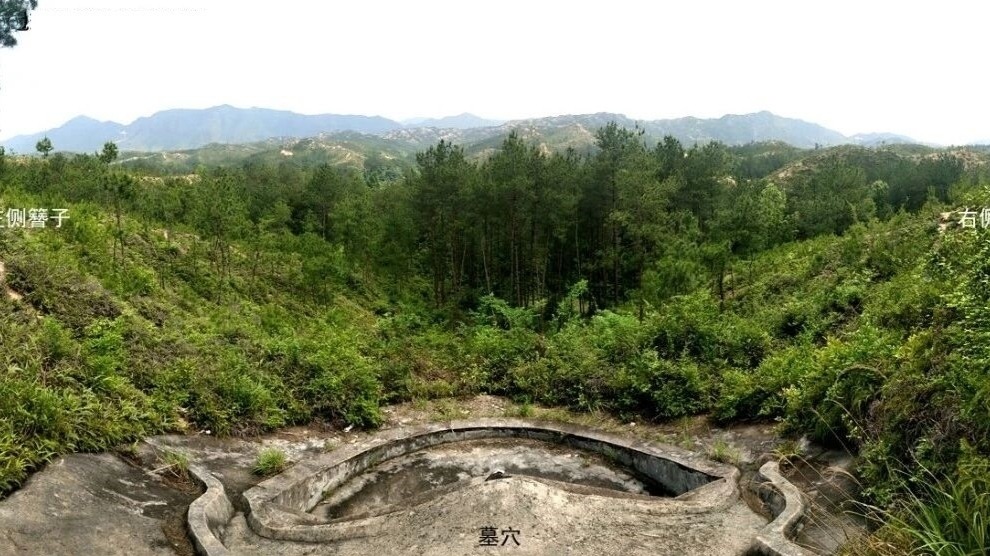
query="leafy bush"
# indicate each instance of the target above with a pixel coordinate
(679, 389)
(689, 327)
(570, 372)
(495, 351)
(343, 384)
(761, 393)
(660, 388)
(907, 301)
(848, 374)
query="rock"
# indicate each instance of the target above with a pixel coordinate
(94, 504)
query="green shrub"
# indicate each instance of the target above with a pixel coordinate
(657, 387)
(55, 343)
(906, 302)
(746, 341)
(418, 359)
(679, 389)
(799, 319)
(250, 400)
(497, 350)
(343, 384)
(688, 326)
(617, 337)
(496, 312)
(831, 401)
(134, 281)
(761, 393)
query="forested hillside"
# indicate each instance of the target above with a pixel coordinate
(820, 288)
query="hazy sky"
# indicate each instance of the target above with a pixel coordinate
(920, 69)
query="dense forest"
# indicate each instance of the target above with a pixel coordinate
(822, 288)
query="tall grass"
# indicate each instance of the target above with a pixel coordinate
(946, 516)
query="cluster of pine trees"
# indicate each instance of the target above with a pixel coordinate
(636, 221)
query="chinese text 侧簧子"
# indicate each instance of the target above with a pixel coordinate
(33, 217)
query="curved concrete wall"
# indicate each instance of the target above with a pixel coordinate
(208, 514)
(787, 507)
(279, 506)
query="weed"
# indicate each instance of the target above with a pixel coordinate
(523, 410)
(444, 410)
(724, 452)
(174, 463)
(788, 451)
(269, 462)
(557, 414)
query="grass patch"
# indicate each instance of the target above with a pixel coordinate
(445, 410)
(945, 515)
(524, 410)
(788, 451)
(950, 517)
(724, 452)
(270, 461)
(174, 463)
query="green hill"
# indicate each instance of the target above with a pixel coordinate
(650, 280)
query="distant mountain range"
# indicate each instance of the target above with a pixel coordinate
(460, 121)
(190, 128)
(183, 129)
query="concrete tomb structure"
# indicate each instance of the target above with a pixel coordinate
(500, 485)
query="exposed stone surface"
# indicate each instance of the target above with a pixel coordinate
(706, 516)
(94, 504)
(550, 520)
(405, 480)
(100, 504)
(833, 517)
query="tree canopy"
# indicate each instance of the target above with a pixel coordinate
(14, 18)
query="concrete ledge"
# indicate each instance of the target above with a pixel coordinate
(787, 507)
(208, 514)
(278, 506)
